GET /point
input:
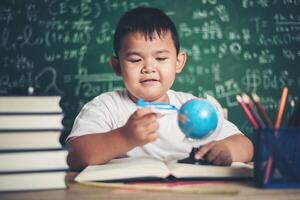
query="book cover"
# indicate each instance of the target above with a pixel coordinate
(22, 161)
(29, 140)
(143, 168)
(32, 181)
(31, 121)
(30, 104)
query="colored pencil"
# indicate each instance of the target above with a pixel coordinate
(247, 112)
(280, 111)
(252, 109)
(281, 107)
(265, 117)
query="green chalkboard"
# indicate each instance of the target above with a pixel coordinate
(62, 46)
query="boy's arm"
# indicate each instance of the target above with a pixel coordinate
(235, 148)
(97, 148)
(100, 148)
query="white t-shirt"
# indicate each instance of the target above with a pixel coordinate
(111, 110)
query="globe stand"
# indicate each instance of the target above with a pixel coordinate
(191, 159)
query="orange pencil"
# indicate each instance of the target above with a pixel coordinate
(281, 106)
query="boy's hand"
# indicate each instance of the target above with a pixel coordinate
(216, 152)
(141, 128)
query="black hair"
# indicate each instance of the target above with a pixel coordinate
(146, 21)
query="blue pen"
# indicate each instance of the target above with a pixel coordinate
(162, 108)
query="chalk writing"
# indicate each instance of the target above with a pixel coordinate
(63, 47)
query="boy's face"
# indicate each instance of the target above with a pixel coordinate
(148, 67)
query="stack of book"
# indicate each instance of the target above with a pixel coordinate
(31, 156)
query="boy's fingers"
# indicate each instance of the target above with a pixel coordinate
(152, 127)
(141, 112)
(213, 155)
(143, 116)
(153, 136)
(203, 150)
(159, 115)
(148, 119)
(222, 159)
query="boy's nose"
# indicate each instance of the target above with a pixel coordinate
(148, 68)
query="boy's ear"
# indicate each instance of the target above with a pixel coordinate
(181, 59)
(114, 62)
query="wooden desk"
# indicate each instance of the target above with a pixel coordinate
(244, 190)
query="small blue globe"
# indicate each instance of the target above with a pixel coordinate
(197, 118)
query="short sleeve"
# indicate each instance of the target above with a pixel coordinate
(94, 117)
(227, 130)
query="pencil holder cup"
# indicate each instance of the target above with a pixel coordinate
(277, 158)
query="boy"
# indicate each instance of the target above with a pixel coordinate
(147, 57)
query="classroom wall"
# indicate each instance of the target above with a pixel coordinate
(62, 47)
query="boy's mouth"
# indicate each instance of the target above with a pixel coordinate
(148, 80)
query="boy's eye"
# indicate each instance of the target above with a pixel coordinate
(161, 58)
(134, 60)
